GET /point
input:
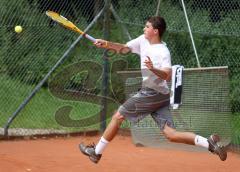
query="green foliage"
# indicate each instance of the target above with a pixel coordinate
(135, 15)
(34, 115)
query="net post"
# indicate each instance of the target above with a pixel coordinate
(190, 33)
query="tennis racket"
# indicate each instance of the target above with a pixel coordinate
(68, 24)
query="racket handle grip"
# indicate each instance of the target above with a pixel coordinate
(90, 38)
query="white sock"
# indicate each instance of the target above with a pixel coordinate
(101, 146)
(201, 141)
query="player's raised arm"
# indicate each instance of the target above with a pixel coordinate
(123, 48)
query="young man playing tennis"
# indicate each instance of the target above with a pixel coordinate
(154, 97)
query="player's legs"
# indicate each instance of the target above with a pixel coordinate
(163, 118)
(179, 137)
(134, 109)
(113, 126)
(190, 138)
(95, 152)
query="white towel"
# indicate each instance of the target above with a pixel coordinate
(177, 84)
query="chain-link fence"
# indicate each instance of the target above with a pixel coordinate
(70, 98)
(29, 57)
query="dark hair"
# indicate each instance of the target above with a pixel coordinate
(158, 23)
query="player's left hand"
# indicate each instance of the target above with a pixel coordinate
(148, 63)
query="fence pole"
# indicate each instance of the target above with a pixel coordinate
(106, 33)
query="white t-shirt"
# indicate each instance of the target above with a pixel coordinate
(160, 56)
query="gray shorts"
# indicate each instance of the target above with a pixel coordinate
(148, 101)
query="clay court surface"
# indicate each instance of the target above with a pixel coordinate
(62, 155)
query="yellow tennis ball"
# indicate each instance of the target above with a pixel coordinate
(18, 29)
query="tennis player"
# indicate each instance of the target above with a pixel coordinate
(154, 97)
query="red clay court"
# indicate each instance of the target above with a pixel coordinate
(63, 155)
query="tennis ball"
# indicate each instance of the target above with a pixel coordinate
(18, 29)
